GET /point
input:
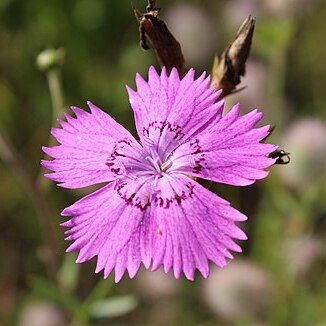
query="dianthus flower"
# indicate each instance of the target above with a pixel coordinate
(151, 210)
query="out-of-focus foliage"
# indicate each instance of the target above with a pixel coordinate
(280, 278)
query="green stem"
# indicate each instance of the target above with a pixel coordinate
(99, 292)
(56, 93)
(57, 99)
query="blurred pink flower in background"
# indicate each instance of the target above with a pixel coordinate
(301, 252)
(240, 291)
(195, 30)
(287, 7)
(156, 285)
(237, 10)
(162, 292)
(42, 314)
(306, 140)
(254, 94)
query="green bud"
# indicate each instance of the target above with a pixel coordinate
(50, 58)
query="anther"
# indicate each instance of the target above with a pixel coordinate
(166, 165)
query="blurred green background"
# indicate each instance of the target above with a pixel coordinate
(279, 279)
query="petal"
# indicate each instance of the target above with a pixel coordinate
(194, 230)
(86, 143)
(106, 225)
(228, 151)
(167, 108)
(192, 227)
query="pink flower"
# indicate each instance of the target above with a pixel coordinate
(152, 211)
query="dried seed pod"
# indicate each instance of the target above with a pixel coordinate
(153, 29)
(227, 70)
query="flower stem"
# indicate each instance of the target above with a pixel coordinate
(54, 82)
(57, 99)
(99, 292)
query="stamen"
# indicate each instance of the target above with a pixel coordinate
(192, 162)
(154, 190)
(154, 163)
(155, 182)
(149, 146)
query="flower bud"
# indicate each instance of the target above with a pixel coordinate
(50, 58)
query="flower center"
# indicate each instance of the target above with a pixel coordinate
(143, 175)
(159, 168)
(155, 157)
(130, 159)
